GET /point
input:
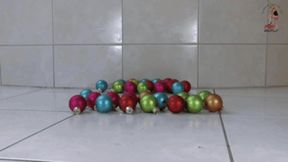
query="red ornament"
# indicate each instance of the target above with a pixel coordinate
(130, 87)
(150, 85)
(187, 86)
(127, 103)
(91, 99)
(176, 104)
(114, 97)
(169, 85)
(133, 95)
(77, 104)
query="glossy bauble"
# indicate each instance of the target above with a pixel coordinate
(85, 92)
(214, 102)
(127, 103)
(159, 87)
(104, 104)
(203, 94)
(177, 87)
(91, 99)
(130, 87)
(176, 104)
(162, 100)
(184, 95)
(194, 104)
(115, 98)
(101, 85)
(144, 94)
(142, 87)
(77, 104)
(148, 104)
(155, 80)
(118, 86)
(169, 85)
(187, 86)
(150, 85)
(135, 81)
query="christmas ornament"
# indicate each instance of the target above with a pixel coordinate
(148, 104)
(155, 80)
(203, 94)
(118, 86)
(127, 104)
(135, 81)
(85, 92)
(184, 95)
(143, 80)
(177, 87)
(214, 102)
(159, 87)
(273, 13)
(101, 85)
(130, 87)
(150, 85)
(187, 86)
(144, 94)
(169, 85)
(104, 104)
(142, 87)
(133, 95)
(114, 97)
(161, 100)
(91, 99)
(194, 104)
(176, 104)
(77, 104)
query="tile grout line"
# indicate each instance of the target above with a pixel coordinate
(0, 74)
(21, 94)
(23, 160)
(35, 133)
(53, 49)
(122, 35)
(266, 60)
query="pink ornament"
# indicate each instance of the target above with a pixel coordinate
(77, 104)
(159, 87)
(114, 97)
(130, 87)
(91, 99)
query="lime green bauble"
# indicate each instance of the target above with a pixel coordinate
(194, 104)
(142, 87)
(118, 86)
(184, 95)
(148, 104)
(203, 94)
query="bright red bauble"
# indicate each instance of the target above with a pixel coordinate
(127, 101)
(176, 104)
(187, 86)
(91, 99)
(114, 97)
(150, 85)
(78, 102)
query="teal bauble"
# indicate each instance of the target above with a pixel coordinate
(177, 87)
(104, 104)
(101, 85)
(85, 93)
(162, 100)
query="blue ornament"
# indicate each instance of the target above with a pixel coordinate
(104, 104)
(155, 80)
(162, 99)
(85, 93)
(143, 80)
(101, 85)
(177, 87)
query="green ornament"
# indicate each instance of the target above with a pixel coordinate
(194, 104)
(184, 95)
(148, 104)
(118, 86)
(135, 81)
(142, 87)
(203, 94)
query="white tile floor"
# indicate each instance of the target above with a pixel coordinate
(36, 125)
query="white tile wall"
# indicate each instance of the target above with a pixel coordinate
(160, 61)
(226, 21)
(82, 66)
(160, 21)
(87, 21)
(230, 33)
(25, 22)
(27, 65)
(277, 65)
(231, 65)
